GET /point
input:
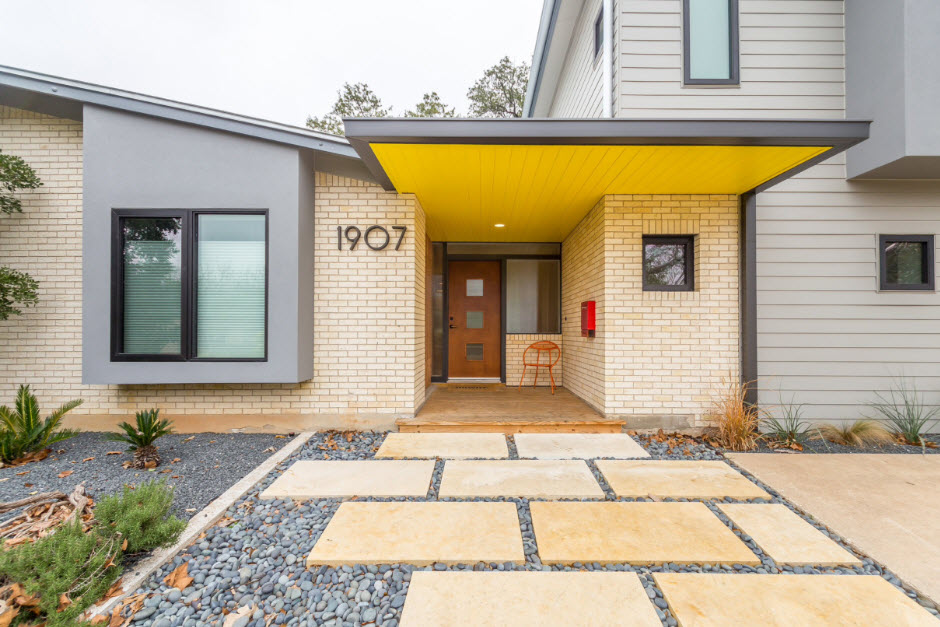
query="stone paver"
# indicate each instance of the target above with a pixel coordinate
(308, 479)
(786, 537)
(707, 600)
(678, 479)
(635, 533)
(577, 445)
(444, 445)
(887, 506)
(549, 479)
(420, 534)
(527, 598)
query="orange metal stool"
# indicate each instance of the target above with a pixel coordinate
(544, 346)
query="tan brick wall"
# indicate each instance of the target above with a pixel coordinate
(582, 278)
(516, 344)
(660, 354)
(368, 308)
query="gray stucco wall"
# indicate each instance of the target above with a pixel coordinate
(892, 79)
(135, 162)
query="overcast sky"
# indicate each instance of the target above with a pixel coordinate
(275, 59)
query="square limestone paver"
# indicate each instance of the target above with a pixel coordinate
(420, 533)
(517, 477)
(635, 533)
(678, 479)
(710, 600)
(577, 445)
(786, 537)
(527, 598)
(444, 445)
(313, 479)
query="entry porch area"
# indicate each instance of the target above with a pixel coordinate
(498, 408)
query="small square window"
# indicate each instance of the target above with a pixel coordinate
(474, 319)
(906, 262)
(474, 287)
(668, 263)
(474, 352)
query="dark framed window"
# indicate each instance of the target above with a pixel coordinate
(533, 295)
(599, 32)
(668, 263)
(189, 285)
(906, 262)
(710, 42)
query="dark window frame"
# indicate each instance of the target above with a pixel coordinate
(734, 35)
(685, 240)
(188, 266)
(599, 33)
(928, 272)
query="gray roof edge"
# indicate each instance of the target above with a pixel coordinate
(89, 93)
(543, 42)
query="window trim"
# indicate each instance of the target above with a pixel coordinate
(686, 240)
(928, 286)
(734, 48)
(188, 265)
(599, 33)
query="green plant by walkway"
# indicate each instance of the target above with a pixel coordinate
(23, 433)
(141, 437)
(905, 411)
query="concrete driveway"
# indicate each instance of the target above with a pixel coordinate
(887, 506)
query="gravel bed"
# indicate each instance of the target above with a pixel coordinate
(209, 464)
(824, 447)
(255, 557)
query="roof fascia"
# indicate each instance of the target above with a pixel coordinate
(556, 29)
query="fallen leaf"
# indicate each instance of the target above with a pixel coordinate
(100, 618)
(270, 449)
(87, 459)
(174, 460)
(238, 614)
(280, 437)
(64, 602)
(26, 600)
(8, 614)
(179, 578)
(175, 477)
(25, 472)
(64, 474)
(4, 479)
(190, 438)
(150, 464)
(28, 485)
(113, 453)
(123, 548)
(126, 464)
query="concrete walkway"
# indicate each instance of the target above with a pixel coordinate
(887, 506)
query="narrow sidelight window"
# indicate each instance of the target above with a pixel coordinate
(710, 42)
(907, 262)
(668, 264)
(189, 285)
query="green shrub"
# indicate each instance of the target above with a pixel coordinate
(858, 433)
(788, 428)
(905, 411)
(140, 438)
(24, 432)
(81, 566)
(141, 516)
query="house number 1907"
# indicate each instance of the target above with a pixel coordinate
(375, 237)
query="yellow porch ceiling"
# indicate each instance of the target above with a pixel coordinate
(540, 192)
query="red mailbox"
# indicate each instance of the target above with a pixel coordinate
(588, 325)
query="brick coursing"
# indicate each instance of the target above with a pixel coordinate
(516, 344)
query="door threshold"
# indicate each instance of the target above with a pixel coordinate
(473, 380)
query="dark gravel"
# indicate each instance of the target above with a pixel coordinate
(824, 446)
(209, 464)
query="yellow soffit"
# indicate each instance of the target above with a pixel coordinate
(541, 192)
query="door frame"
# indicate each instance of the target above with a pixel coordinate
(502, 303)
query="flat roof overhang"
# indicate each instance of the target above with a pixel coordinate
(540, 177)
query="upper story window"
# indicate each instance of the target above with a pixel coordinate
(907, 262)
(189, 285)
(599, 32)
(710, 42)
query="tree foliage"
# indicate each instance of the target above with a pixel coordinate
(501, 91)
(352, 101)
(15, 287)
(431, 106)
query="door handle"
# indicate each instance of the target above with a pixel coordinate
(453, 326)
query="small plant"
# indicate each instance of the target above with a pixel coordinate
(59, 576)
(905, 411)
(24, 434)
(141, 516)
(141, 438)
(858, 433)
(788, 429)
(737, 419)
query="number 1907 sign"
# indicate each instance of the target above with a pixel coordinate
(375, 237)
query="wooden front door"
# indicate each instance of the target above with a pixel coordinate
(473, 300)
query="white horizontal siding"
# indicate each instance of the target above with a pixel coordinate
(578, 92)
(792, 62)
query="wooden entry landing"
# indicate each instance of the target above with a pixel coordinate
(497, 408)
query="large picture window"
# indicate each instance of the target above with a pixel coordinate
(533, 296)
(907, 262)
(189, 285)
(710, 42)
